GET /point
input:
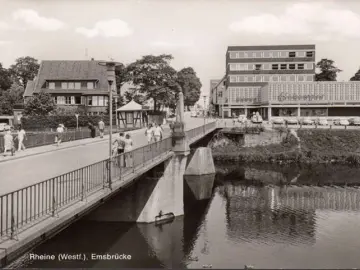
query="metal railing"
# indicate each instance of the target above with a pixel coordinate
(23, 208)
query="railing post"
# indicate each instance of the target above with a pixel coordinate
(53, 198)
(82, 187)
(12, 217)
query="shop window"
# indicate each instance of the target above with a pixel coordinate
(313, 112)
(275, 66)
(283, 66)
(284, 112)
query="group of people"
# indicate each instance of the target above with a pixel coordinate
(154, 133)
(9, 140)
(124, 144)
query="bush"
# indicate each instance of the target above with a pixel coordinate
(41, 122)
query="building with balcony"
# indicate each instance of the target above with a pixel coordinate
(73, 84)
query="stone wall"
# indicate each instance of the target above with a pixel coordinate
(264, 138)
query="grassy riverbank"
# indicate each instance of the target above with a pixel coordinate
(315, 146)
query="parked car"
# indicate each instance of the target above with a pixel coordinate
(307, 121)
(278, 121)
(336, 121)
(344, 122)
(355, 121)
(292, 121)
(322, 122)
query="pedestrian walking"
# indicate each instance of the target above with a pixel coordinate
(92, 130)
(101, 125)
(149, 133)
(21, 135)
(158, 133)
(59, 134)
(120, 142)
(128, 148)
(9, 143)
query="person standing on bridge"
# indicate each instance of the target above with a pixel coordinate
(21, 136)
(158, 133)
(101, 125)
(59, 134)
(149, 133)
(128, 148)
(8, 142)
(120, 149)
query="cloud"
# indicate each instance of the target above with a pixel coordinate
(165, 44)
(34, 21)
(4, 42)
(311, 19)
(109, 28)
(4, 26)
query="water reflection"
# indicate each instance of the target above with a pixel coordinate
(269, 217)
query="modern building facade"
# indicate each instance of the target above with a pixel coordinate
(73, 84)
(278, 81)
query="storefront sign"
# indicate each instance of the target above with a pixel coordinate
(286, 97)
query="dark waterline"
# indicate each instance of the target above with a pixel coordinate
(260, 215)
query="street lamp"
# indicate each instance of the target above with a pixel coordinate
(204, 97)
(110, 69)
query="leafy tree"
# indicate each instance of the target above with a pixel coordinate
(69, 110)
(40, 104)
(10, 98)
(328, 71)
(5, 78)
(120, 102)
(356, 77)
(122, 77)
(133, 94)
(154, 77)
(190, 85)
(24, 69)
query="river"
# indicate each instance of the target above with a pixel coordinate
(259, 215)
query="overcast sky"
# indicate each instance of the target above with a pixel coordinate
(195, 32)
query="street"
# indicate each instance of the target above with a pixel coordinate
(15, 174)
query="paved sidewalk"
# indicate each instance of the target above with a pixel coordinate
(53, 147)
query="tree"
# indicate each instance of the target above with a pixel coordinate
(328, 71)
(5, 79)
(356, 77)
(154, 77)
(40, 104)
(133, 94)
(10, 98)
(122, 77)
(120, 102)
(190, 85)
(24, 69)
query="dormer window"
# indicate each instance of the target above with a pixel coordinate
(64, 85)
(51, 85)
(78, 85)
(90, 85)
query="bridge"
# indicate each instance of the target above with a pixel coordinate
(34, 212)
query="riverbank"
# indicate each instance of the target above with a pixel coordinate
(294, 146)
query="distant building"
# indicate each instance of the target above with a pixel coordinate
(73, 83)
(218, 96)
(278, 81)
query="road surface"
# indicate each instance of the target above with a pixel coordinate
(19, 173)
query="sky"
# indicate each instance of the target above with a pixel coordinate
(195, 32)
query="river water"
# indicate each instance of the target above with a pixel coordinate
(259, 215)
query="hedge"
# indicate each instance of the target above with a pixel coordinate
(40, 122)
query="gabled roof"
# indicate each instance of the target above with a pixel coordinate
(131, 106)
(29, 89)
(71, 70)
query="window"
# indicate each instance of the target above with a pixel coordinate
(283, 66)
(300, 78)
(241, 55)
(283, 78)
(257, 54)
(257, 66)
(71, 85)
(77, 85)
(232, 55)
(232, 79)
(64, 85)
(232, 67)
(67, 100)
(275, 54)
(300, 54)
(241, 78)
(292, 78)
(129, 118)
(258, 78)
(95, 101)
(243, 66)
(78, 100)
(72, 100)
(267, 54)
(283, 54)
(284, 111)
(266, 78)
(309, 54)
(106, 100)
(51, 85)
(251, 66)
(266, 67)
(291, 66)
(275, 78)
(90, 85)
(89, 99)
(309, 78)
(275, 66)
(309, 66)
(55, 99)
(250, 78)
(101, 101)
(292, 54)
(300, 66)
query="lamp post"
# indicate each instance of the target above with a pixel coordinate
(110, 69)
(204, 97)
